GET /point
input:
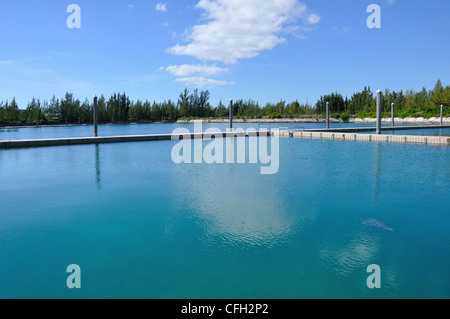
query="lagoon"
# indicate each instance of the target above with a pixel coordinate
(141, 226)
(49, 132)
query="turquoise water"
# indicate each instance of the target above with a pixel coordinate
(422, 132)
(140, 226)
(427, 132)
(141, 129)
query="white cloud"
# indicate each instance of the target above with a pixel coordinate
(30, 71)
(139, 80)
(342, 30)
(238, 29)
(345, 30)
(8, 62)
(313, 18)
(161, 7)
(202, 82)
(131, 7)
(195, 70)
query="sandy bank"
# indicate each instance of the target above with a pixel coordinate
(408, 120)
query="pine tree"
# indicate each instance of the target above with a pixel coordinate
(437, 95)
(183, 103)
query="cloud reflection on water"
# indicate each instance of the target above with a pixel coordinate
(235, 209)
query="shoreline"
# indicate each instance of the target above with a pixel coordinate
(398, 121)
(407, 120)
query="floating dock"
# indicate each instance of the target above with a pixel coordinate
(117, 139)
(346, 134)
(372, 129)
(403, 139)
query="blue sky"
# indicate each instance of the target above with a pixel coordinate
(259, 49)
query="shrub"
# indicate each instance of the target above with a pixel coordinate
(408, 113)
(344, 117)
(432, 112)
(185, 119)
(274, 116)
(362, 115)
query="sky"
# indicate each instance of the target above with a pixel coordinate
(264, 50)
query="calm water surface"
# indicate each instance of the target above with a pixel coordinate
(142, 129)
(140, 226)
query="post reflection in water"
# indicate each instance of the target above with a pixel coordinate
(376, 175)
(98, 168)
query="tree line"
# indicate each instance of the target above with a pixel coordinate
(119, 107)
(424, 103)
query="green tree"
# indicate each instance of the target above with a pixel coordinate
(102, 112)
(12, 112)
(2, 113)
(33, 112)
(437, 96)
(183, 103)
(53, 112)
(136, 112)
(337, 104)
(68, 109)
(203, 101)
(86, 112)
(220, 110)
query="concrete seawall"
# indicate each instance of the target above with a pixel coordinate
(116, 139)
(403, 139)
(348, 135)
